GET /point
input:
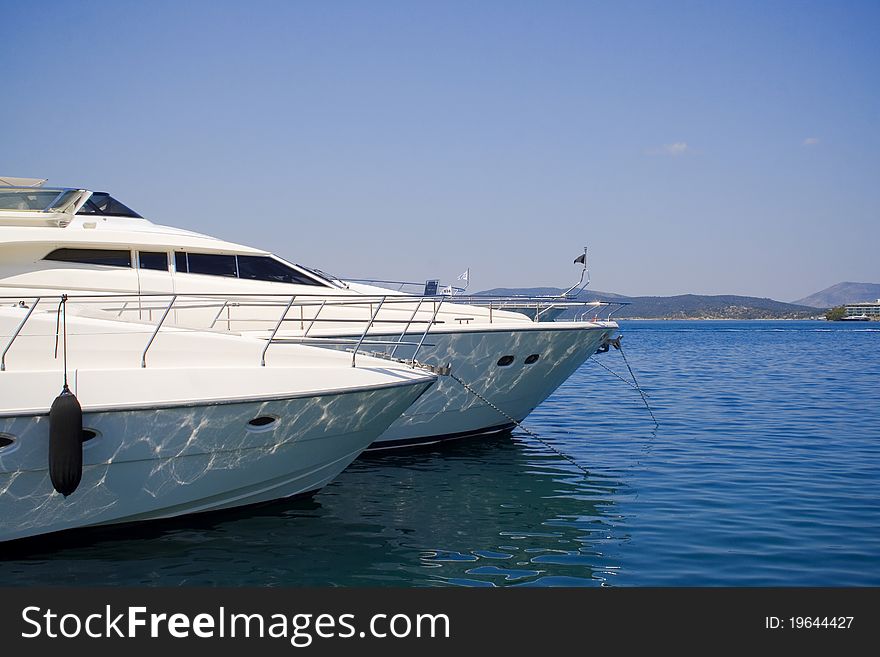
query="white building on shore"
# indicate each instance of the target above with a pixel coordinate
(870, 309)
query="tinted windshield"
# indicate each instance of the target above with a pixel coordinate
(33, 199)
(265, 268)
(101, 203)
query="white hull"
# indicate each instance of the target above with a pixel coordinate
(160, 463)
(203, 426)
(449, 410)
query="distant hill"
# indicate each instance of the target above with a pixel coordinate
(683, 306)
(549, 292)
(842, 293)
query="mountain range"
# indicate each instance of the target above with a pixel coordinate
(682, 306)
(842, 293)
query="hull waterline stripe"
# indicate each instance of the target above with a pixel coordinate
(439, 438)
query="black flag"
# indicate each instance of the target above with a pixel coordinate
(582, 259)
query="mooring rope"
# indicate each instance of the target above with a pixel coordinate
(638, 387)
(62, 311)
(519, 424)
(613, 373)
(633, 384)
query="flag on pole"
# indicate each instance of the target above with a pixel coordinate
(465, 275)
(582, 259)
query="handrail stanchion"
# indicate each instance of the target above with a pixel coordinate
(315, 318)
(275, 330)
(156, 331)
(219, 312)
(425, 334)
(406, 328)
(16, 332)
(364, 334)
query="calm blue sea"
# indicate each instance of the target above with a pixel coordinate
(764, 471)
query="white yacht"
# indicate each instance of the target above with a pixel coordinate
(168, 421)
(501, 364)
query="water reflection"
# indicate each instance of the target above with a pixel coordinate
(496, 512)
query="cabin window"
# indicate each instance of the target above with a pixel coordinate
(212, 264)
(180, 262)
(101, 203)
(264, 268)
(153, 260)
(107, 257)
(253, 268)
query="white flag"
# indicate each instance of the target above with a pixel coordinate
(465, 275)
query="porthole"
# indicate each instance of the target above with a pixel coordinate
(88, 437)
(533, 358)
(262, 423)
(504, 361)
(8, 443)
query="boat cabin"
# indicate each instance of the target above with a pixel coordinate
(77, 239)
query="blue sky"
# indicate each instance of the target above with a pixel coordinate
(709, 147)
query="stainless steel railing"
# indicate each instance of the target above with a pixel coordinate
(17, 331)
(349, 327)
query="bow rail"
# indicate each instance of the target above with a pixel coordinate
(384, 324)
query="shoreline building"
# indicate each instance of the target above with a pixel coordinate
(870, 309)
